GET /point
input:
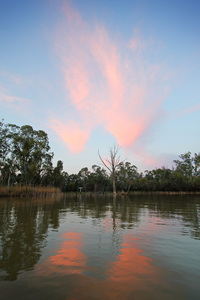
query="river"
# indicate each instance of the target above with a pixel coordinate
(98, 247)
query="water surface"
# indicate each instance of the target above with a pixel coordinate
(140, 247)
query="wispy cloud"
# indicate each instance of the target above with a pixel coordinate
(71, 133)
(188, 110)
(14, 102)
(110, 83)
(13, 77)
(12, 81)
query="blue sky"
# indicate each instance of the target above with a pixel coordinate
(95, 73)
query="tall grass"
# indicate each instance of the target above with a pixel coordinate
(28, 191)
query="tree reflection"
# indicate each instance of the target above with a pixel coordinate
(184, 208)
(24, 225)
(23, 232)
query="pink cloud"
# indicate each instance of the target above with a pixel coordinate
(78, 92)
(71, 134)
(107, 84)
(106, 56)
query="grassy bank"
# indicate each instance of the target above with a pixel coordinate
(28, 191)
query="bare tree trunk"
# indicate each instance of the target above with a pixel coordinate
(114, 185)
(9, 179)
(112, 163)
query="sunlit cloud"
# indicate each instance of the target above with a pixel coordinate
(71, 134)
(109, 82)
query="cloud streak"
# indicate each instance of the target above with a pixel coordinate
(189, 110)
(109, 82)
(14, 102)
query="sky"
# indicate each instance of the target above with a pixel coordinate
(93, 74)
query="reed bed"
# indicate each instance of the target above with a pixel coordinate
(28, 191)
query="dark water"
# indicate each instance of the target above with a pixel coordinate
(100, 248)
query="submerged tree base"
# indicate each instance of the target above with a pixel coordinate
(28, 191)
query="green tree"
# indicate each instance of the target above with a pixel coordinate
(189, 170)
(60, 176)
(196, 162)
(8, 165)
(126, 175)
(73, 183)
(25, 153)
(98, 179)
(185, 165)
(4, 142)
(32, 152)
(84, 174)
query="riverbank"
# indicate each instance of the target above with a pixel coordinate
(28, 191)
(44, 191)
(163, 193)
(135, 193)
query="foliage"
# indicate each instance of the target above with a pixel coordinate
(25, 154)
(126, 175)
(26, 160)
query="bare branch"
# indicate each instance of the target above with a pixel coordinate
(104, 162)
(113, 162)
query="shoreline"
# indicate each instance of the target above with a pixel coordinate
(43, 192)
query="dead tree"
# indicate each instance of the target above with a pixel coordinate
(112, 163)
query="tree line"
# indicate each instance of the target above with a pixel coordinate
(26, 159)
